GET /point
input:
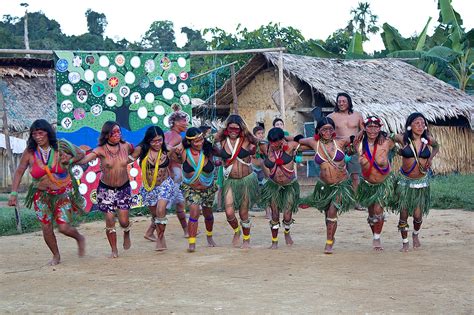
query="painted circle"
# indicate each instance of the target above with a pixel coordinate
(89, 75)
(112, 69)
(183, 75)
(165, 63)
(96, 110)
(111, 99)
(101, 75)
(91, 177)
(90, 60)
(144, 82)
(98, 89)
(149, 65)
(62, 65)
(159, 81)
(129, 77)
(66, 106)
(149, 98)
(113, 82)
(83, 189)
(124, 91)
(66, 89)
(104, 61)
(77, 61)
(133, 184)
(184, 99)
(133, 172)
(159, 110)
(82, 96)
(79, 113)
(182, 62)
(94, 162)
(74, 77)
(172, 78)
(120, 60)
(154, 120)
(168, 93)
(77, 171)
(66, 123)
(135, 98)
(135, 62)
(142, 112)
(182, 87)
(166, 121)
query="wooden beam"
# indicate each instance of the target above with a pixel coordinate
(281, 86)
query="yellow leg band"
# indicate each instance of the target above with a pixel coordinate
(237, 229)
(192, 240)
(286, 231)
(329, 242)
(209, 233)
(246, 237)
(274, 239)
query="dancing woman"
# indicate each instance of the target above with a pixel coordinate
(240, 186)
(199, 188)
(114, 194)
(51, 192)
(157, 186)
(281, 191)
(332, 194)
(413, 182)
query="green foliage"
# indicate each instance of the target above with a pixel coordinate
(363, 21)
(96, 22)
(160, 37)
(453, 191)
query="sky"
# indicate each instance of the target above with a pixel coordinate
(316, 19)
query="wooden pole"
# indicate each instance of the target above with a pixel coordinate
(281, 85)
(235, 109)
(25, 33)
(9, 154)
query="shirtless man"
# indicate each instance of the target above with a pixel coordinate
(348, 122)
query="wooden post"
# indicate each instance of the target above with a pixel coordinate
(281, 86)
(235, 109)
(9, 154)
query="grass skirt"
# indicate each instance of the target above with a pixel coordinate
(412, 193)
(285, 197)
(340, 195)
(242, 189)
(382, 193)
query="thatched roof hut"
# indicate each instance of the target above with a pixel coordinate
(386, 87)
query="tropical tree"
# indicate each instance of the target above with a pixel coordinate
(160, 36)
(96, 22)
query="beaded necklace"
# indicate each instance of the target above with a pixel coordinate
(144, 166)
(47, 166)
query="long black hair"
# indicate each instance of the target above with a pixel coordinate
(106, 130)
(349, 101)
(275, 134)
(325, 121)
(41, 124)
(238, 120)
(193, 132)
(408, 134)
(382, 134)
(150, 134)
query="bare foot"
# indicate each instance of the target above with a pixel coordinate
(274, 245)
(210, 242)
(114, 254)
(245, 245)
(161, 244)
(81, 245)
(416, 241)
(288, 239)
(328, 249)
(55, 261)
(192, 248)
(185, 231)
(151, 238)
(236, 240)
(405, 247)
(127, 243)
(377, 244)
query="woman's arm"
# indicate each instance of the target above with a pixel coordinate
(22, 167)
(177, 154)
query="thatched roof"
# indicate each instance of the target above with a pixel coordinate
(386, 87)
(27, 86)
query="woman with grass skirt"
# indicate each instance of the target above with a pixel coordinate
(157, 186)
(240, 186)
(52, 193)
(413, 182)
(333, 192)
(281, 191)
(375, 190)
(198, 187)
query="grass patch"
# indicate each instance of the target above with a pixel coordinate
(453, 191)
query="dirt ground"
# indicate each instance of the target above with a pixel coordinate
(301, 279)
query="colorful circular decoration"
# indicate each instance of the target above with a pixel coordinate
(77, 172)
(119, 60)
(112, 69)
(96, 110)
(133, 184)
(83, 189)
(149, 98)
(142, 112)
(159, 82)
(74, 77)
(172, 78)
(149, 65)
(166, 121)
(113, 82)
(89, 75)
(66, 122)
(62, 65)
(93, 196)
(182, 87)
(94, 162)
(183, 75)
(90, 60)
(66, 106)
(91, 177)
(111, 99)
(101, 75)
(66, 89)
(184, 99)
(168, 93)
(129, 77)
(165, 63)
(135, 62)
(104, 61)
(133, 172)
(124, 91)
(79, 113)
(135, 98)
(154, 120)
(181, 62)
(144, 82)
(98, 89)
(77, 61)
(82, 96)
(159, 110)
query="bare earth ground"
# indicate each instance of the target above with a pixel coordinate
(301, 279)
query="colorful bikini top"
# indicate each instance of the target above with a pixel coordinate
(242, 154)
(199, 174)
(41, 168)
(338, 154)
(281, 159)
(285, 157)
(165, 163)
(424, 153)
(208, 168)
(371, 158)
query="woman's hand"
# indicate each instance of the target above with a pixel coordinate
(13, 200)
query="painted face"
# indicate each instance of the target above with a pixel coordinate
(115, 135)
(279, 124)
(418, 125)
(326, 131)
(181, 124)
(233, 130)
(372, 130)
(156, 143)
(197, 143)
(40, 137)
(342, 103)
(276, 145)
(260, 134)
